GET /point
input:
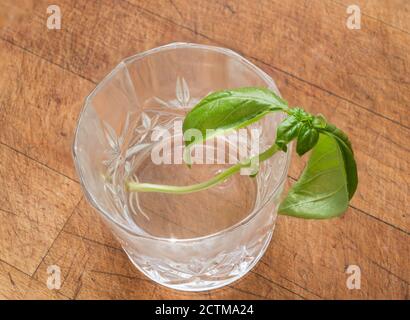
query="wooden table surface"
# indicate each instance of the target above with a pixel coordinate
(359, 78)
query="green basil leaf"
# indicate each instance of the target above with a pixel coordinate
(231, 109)
(331, 128)
(348, 156)
(287, 130)
(350, 166)
(307, 139)
(321, 192)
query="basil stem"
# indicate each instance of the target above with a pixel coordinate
(150, 187)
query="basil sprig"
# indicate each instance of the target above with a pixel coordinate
(329, 179)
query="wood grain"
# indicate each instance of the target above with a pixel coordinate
(385, 11)
(318, 251)
(310, 41)
(86, 223)
(14, 284)
(98, 39)
(358, 78)
(35, 202)
(91, 270)
(379, 84)
(50, 96)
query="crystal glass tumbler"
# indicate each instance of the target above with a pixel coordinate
(196, 241)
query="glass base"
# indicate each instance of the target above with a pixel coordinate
(171, 277)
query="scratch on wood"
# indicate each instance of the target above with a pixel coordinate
(176, 8)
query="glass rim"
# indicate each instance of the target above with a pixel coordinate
(172, 46)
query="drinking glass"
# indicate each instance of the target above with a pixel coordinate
(191, 242)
